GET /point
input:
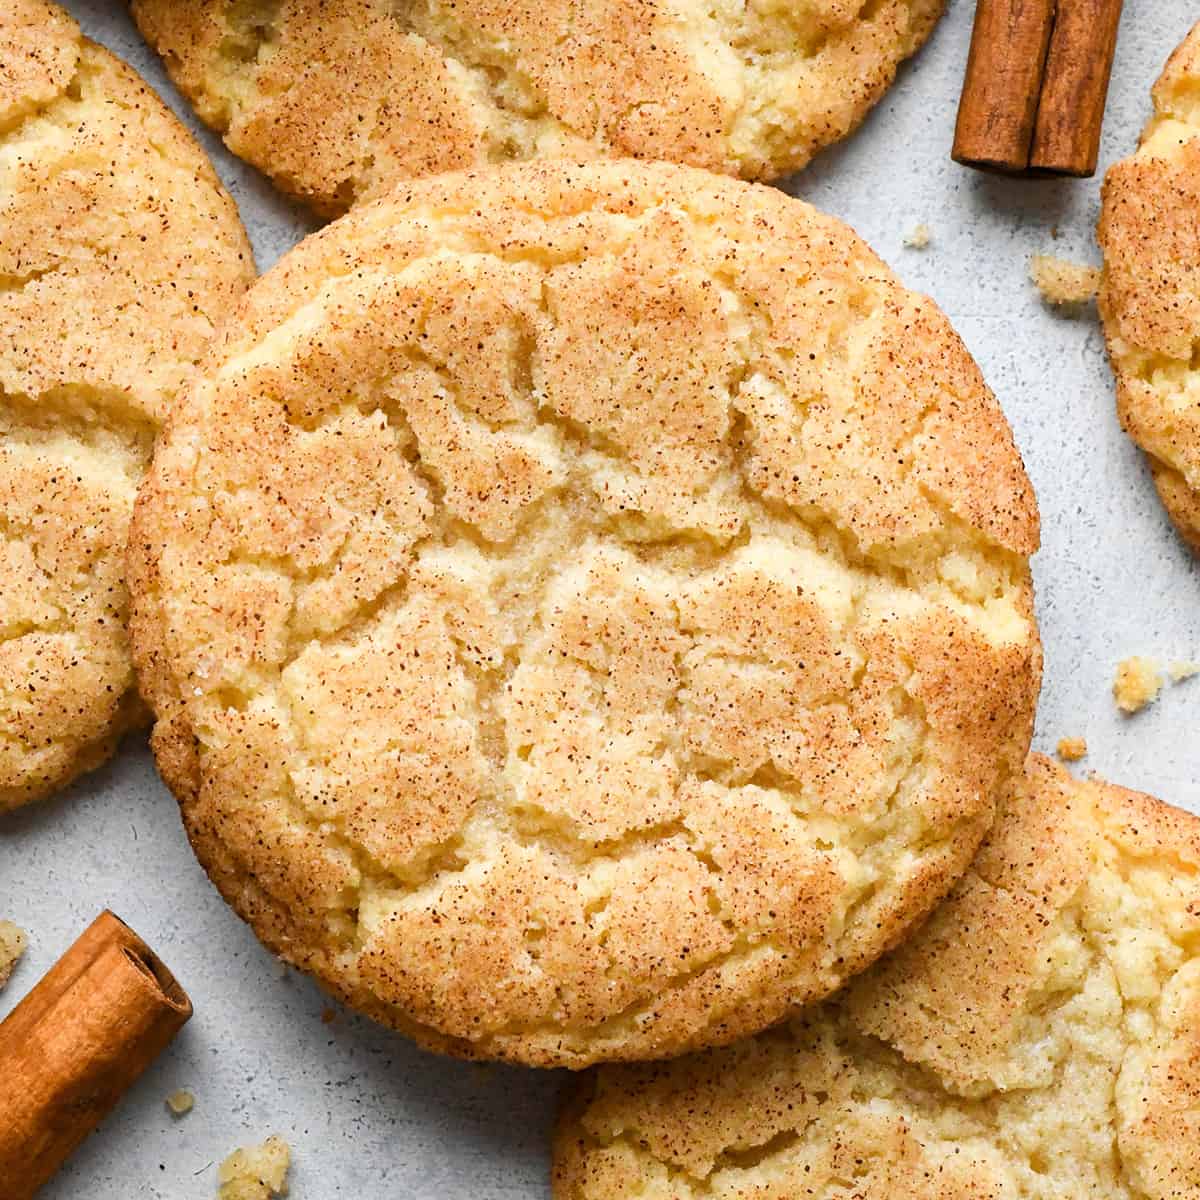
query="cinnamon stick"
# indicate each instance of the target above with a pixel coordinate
(75, 1044)
(999, 103)
(1035, 86)
(1066, 139)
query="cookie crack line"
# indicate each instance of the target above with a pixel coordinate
(265, 34)
(78, 411)
(15, 132)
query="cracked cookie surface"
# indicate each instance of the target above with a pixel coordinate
(340, 100)
(586, 609)
(118, 252)
(1150, 291)
(1038, 1038)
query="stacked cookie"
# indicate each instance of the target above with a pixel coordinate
(584, 603)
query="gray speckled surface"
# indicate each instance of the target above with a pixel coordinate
(367, 1115)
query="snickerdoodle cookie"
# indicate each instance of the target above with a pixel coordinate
(1039, 1038)
(1150, 294)
(340, 100)
(118, 252)
(586, 609)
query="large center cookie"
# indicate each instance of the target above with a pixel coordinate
(119, 250)
(586, 609)
(339, 100)
(1150, 297)
(1037, 1039)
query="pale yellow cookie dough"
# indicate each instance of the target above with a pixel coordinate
(255, 1172)
(1062, 283)
(340, 100)
(586, 609)
(119, 253)
(1037, 1039)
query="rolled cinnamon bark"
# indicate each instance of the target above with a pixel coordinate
(76, 1043)
(1036, 82)
(999, 103)
(1066, 138)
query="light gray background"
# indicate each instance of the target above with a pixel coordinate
(367, 1115)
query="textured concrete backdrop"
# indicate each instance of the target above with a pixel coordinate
(367, 1115)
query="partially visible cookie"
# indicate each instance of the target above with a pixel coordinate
(586, 609)
(12, 946)
(1150, 293)
(119, 252)
(1038, 1038)
(340, 100)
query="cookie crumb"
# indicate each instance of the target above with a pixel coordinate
(1071, 749)
(12, 946)
(328, 1016)
(1137, 684)
(1180, 671)
(181, 1102)
(1063, 283)
(255, 1172)
(918, 238)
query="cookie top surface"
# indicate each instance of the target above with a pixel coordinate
(1150, 295)
(118, 252)
(339, 100)
(1039, 1037)
(586, 608)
